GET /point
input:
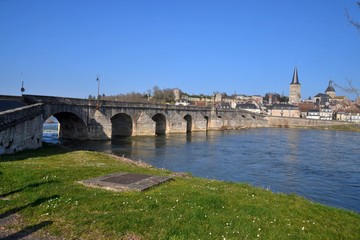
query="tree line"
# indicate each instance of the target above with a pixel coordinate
(155, 95)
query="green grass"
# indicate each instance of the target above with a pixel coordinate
(348, 127)
(41, 185)
(352, 127)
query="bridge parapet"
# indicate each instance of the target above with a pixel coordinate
(52, 100)
(12, 117)
(31, 99)
(9, 97)
(21, 128)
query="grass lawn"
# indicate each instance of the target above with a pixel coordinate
(40, 186)
(350, 127)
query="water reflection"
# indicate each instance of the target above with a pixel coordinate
(320, 165)
(292, 142)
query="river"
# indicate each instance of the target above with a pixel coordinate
(323, 166)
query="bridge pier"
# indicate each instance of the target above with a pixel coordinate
(177, 124)
(199, 122)
(99, 127)
(216, 123)
(144, 126)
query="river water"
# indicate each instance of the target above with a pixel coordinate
(323, 166)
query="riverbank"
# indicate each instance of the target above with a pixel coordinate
(306, 123)
(349, 128)
(41, 187)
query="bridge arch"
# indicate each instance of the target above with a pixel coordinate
(122, 125)
(160, 127)
(71, 126)
(188, 120)
(207, 123)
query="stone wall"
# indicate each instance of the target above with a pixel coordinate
(300, 122)
(21, 128)
(239, 119)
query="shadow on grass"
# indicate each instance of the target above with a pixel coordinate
(27, 231)
(30, 186)
(46, 150)
(37, 202)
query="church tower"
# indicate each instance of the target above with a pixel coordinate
(295, 94)
(330, 90)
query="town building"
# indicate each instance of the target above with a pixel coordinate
(251, 107)
(313, 114)
(326, 113)
(341, 99)
(284, 110)
(349, 115)
(321, 99)
(307, 109)
(224, 105)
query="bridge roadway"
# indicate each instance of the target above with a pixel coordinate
(82, 119)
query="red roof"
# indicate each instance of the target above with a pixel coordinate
(305, 107)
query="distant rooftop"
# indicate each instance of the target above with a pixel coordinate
(321, 95)
(283, 106)
(246, 106)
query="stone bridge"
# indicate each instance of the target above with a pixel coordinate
(82, 119)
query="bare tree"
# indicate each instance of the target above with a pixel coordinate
(351, 20)
(157, 95)
(350, 88)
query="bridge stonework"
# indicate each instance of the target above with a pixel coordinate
(21, 129)
(82, 119)
(89, 119)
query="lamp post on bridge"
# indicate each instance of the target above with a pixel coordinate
(98, 95)
(22, 88)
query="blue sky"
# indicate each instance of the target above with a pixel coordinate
(57, 47)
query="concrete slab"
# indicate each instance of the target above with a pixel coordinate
(126, 181)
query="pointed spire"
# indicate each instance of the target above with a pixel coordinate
(295, 79)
